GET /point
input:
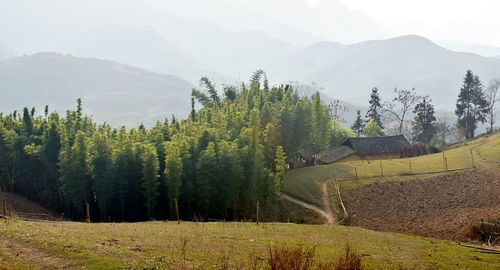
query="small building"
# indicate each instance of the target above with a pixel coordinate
(386, 147)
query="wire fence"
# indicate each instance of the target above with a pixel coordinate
(438, 163)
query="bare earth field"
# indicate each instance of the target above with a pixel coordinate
(440, 207)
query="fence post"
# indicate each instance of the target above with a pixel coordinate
(472, 158)
(87, 208)
(356, 172)
(411, 170)
(4, 207)
(446, 163)
(381, 170)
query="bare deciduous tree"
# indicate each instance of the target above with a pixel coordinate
(491, 97)
(337, 110)
(404, 101)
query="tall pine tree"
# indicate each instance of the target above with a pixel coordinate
(373, 112)
(472, 107)
(424, 125)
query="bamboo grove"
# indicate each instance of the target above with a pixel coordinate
(219, 162)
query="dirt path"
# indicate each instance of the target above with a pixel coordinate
(32, 256)
(325, 197)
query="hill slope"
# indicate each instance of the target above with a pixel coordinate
(113, 92)
(237, 245)
(350, 72)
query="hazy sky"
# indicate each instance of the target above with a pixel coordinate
(346, 21)
(464, 20)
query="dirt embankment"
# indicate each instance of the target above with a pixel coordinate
(440, 207)
(25, 208)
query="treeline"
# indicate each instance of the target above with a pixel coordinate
(221, 162)
(475, 105)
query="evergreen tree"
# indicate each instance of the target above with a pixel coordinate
(375, 108)
(28, 122)
(357, 126)
(424, 122)
(472, 107)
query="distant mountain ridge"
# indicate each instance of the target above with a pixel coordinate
(349, 72)
(5, 53)
(111, 92)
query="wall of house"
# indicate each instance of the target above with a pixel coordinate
(354, 157)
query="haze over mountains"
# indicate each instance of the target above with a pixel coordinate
(110, 40)
(111, 92)
(349, 72)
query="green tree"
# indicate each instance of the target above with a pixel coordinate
(75, 174)
(206, 175)
(173, 174)
(358, 124)
(230, 182)
(320, 125)
(424, 125)
(279, 168)
(372, 129)
(150, 176)
(373, 112)
(472, 107)
(101, 164)
(340, 133)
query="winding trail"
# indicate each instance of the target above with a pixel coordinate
(325, 197)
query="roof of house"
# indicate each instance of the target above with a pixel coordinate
(335, 154)
(306, 152)
(376, 145)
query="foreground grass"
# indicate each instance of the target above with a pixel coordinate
(167, 245)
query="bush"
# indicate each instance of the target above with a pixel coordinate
(289, 258)
(299, 258)
(415, 150)
(348, 260)
(484, 232)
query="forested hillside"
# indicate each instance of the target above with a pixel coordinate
(221, 162)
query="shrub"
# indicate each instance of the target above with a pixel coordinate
(289, 258)
(484, 232)
(348, 260)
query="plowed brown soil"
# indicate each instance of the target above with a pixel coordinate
(441, 207)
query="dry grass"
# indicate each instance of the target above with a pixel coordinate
(168, 245)
(290, 258)
(348, 260)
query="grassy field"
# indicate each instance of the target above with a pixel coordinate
(167, 245)
(305, 183)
